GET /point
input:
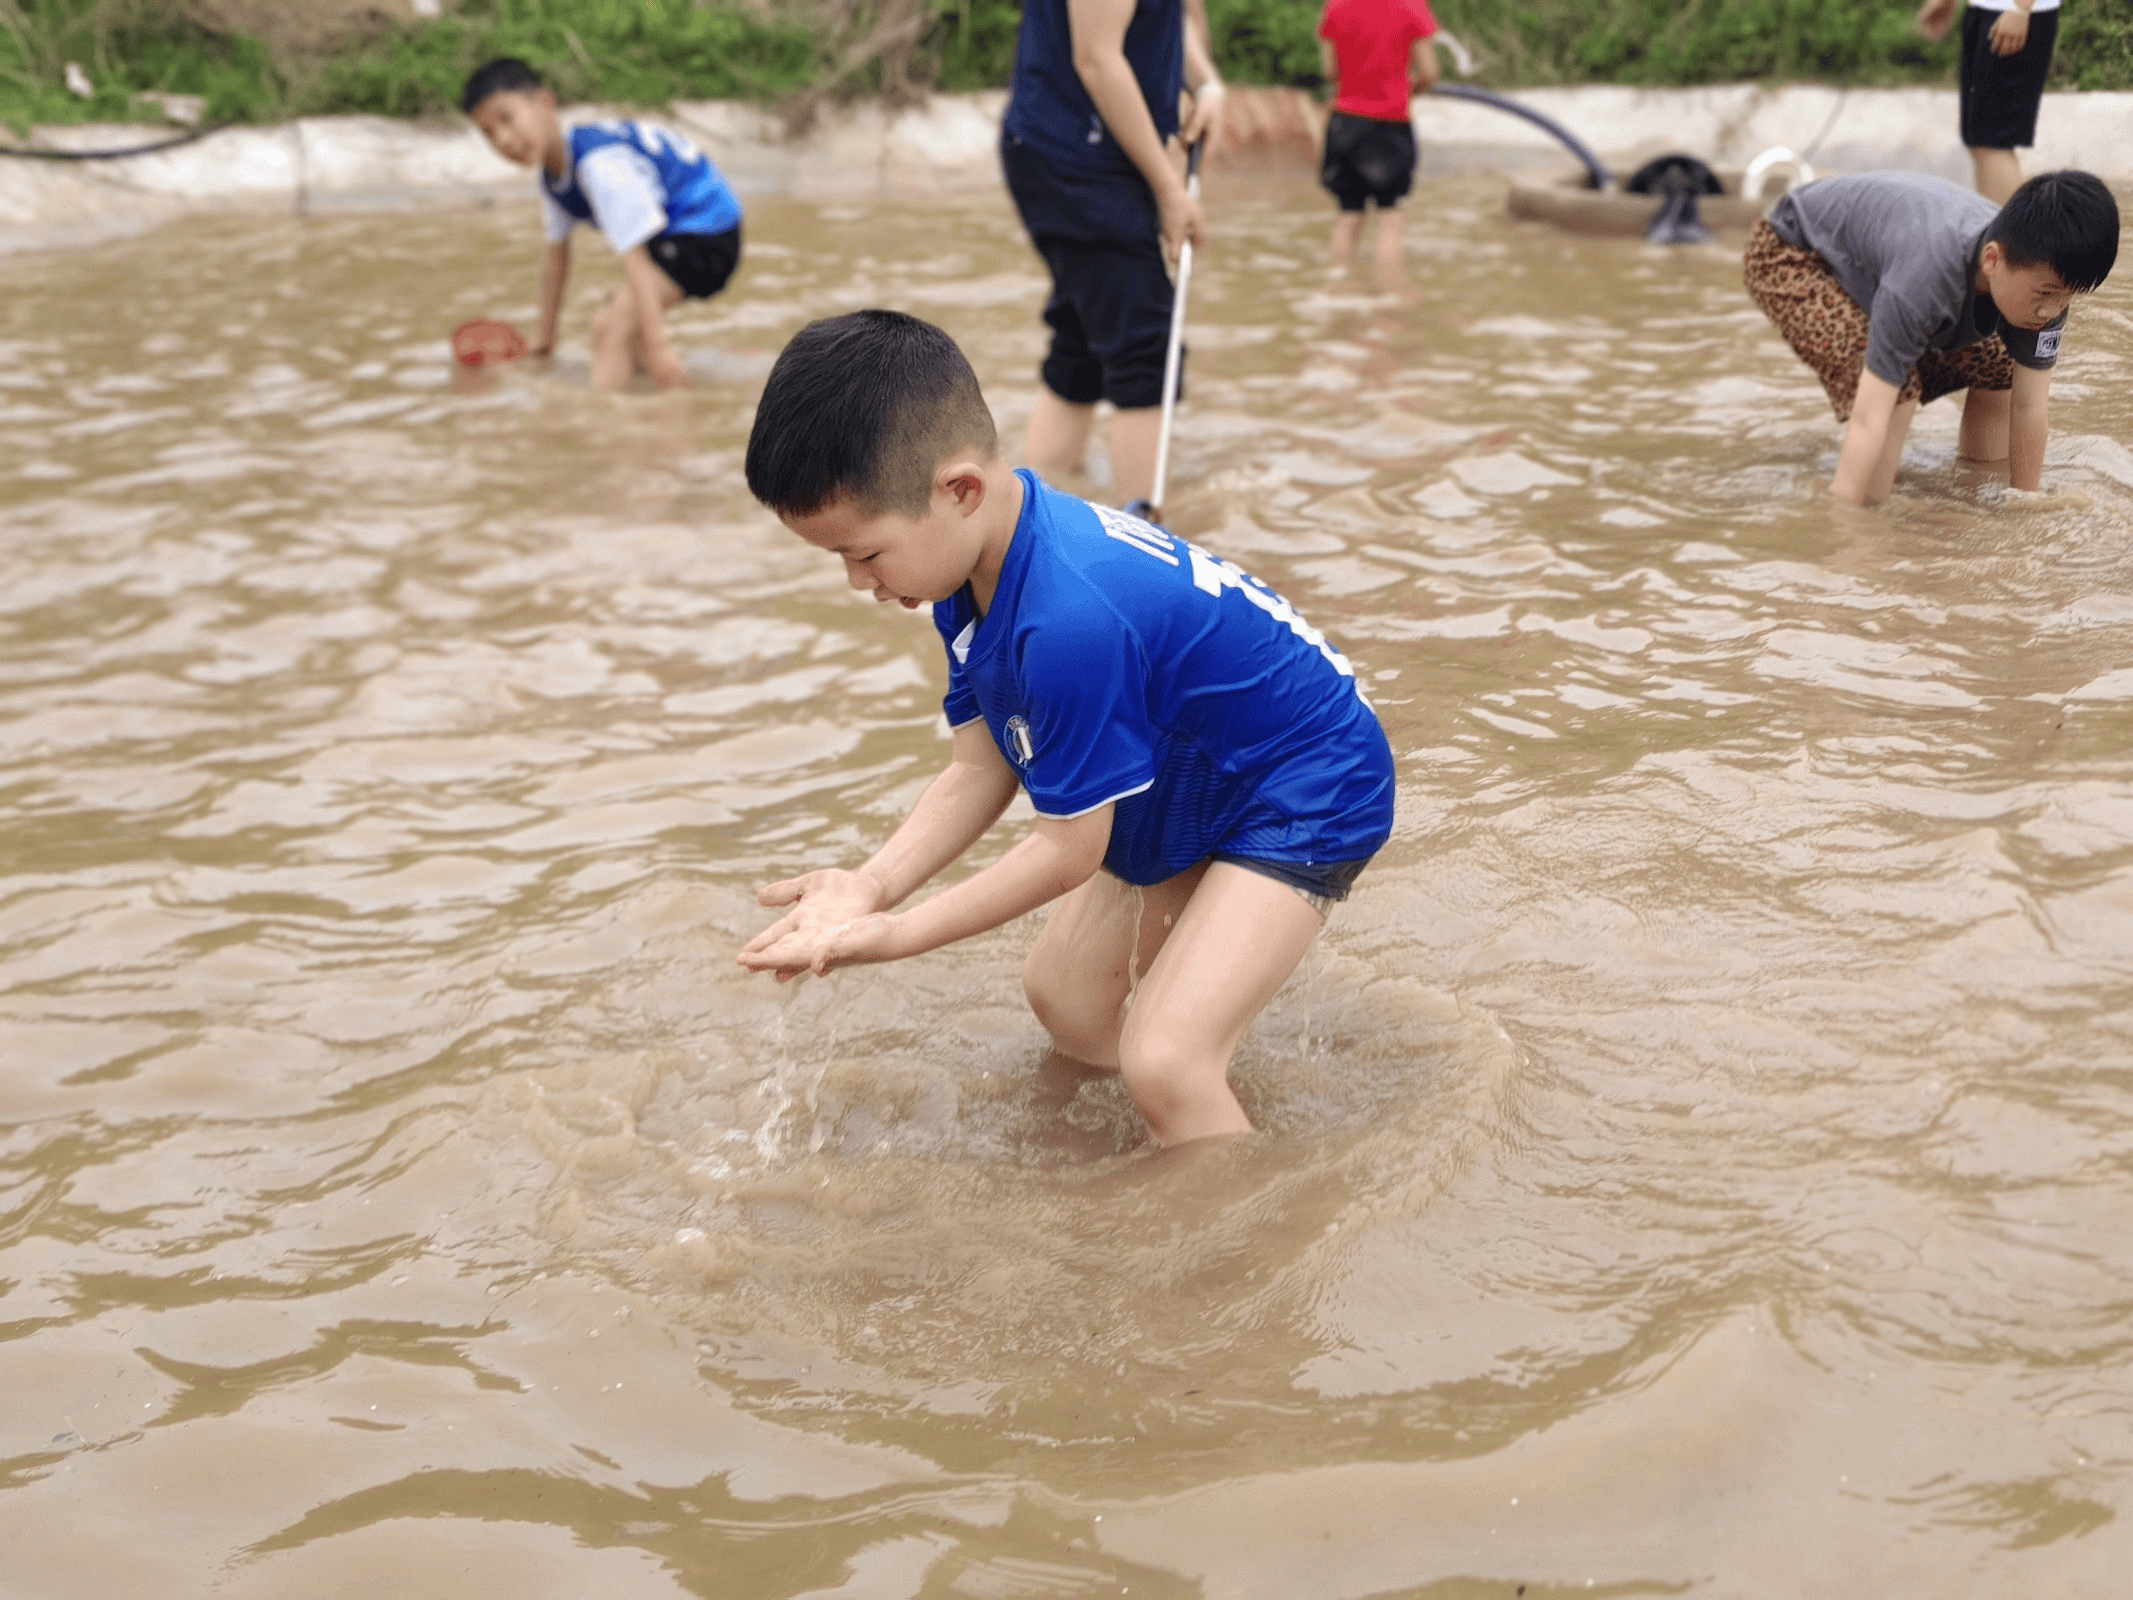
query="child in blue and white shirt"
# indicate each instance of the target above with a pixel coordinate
(1207, 776)
(658, 200)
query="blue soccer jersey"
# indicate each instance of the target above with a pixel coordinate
(1120, 665)
(634, 181)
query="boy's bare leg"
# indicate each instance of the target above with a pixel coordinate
(1240, 936)
(1998, 173)
(1347, 233)
(1392, 238)
(1084, 967)
(1057, 443)
(618, 342)
(1210, 947)
(1892, 450)
(1985, 418)
(1135, 437)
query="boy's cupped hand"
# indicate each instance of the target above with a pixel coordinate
(835, 921)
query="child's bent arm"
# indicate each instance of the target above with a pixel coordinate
(954, 812)
(957, 807)
(555, 274)
(1205, 83)
(1423, 69)
(1329, 62)
(2028, 422)
(1060, 854)
(1098, 29)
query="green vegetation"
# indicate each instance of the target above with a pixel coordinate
(312, 56)
(1520, 43)
(634, 52)
(1869, 42)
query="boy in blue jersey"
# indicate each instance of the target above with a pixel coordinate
(661, 203)
(1207, 776)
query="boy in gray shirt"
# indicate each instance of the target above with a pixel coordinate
(1897, 288)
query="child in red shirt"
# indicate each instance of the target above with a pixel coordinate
(1377, 52)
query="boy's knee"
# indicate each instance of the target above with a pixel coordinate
(1167, 1074)
(1040, 986)
(1072, 1009)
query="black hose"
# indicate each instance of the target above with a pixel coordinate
(1596, 174)
(35, 153)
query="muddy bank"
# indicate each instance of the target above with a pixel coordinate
(338, 163)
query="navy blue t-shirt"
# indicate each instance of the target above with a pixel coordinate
(1050, 109)
(1120, 665)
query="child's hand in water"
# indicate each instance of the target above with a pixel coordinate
(846, 944)
(836, 921)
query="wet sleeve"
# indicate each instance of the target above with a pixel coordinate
(1421, 18)
(1090, 741)
(2038, 348)
(1894, 339)
(960, 705)
(559, 221)
(628, 201)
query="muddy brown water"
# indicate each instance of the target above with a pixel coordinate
(1698, 1161)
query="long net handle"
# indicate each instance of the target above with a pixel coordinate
(1173, 357)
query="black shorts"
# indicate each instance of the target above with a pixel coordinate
(2000, 93)
(1324, 885)
(1102, 238)
(699, 263)
(1367, 160)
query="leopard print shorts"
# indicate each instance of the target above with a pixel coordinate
(1826, 328)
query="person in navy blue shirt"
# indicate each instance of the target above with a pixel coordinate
(1086, 148)
(1207, 776)
(659, 201)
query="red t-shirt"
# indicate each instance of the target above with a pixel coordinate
(1373, 41)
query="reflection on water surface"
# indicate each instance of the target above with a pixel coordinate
(1697, 1160)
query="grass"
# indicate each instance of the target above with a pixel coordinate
(636, 52)
(650, 52)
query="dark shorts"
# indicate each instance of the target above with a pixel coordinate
(1321, 884)
(1798, 291)
(1101, 236)
(2000, 93)
(1367, 160)
(699, 263)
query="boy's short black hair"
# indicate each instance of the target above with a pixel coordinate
(501, 76)
(2067, 221)
(864, 406)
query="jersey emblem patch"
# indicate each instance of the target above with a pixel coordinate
(2048, 344)
(1019, 748)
